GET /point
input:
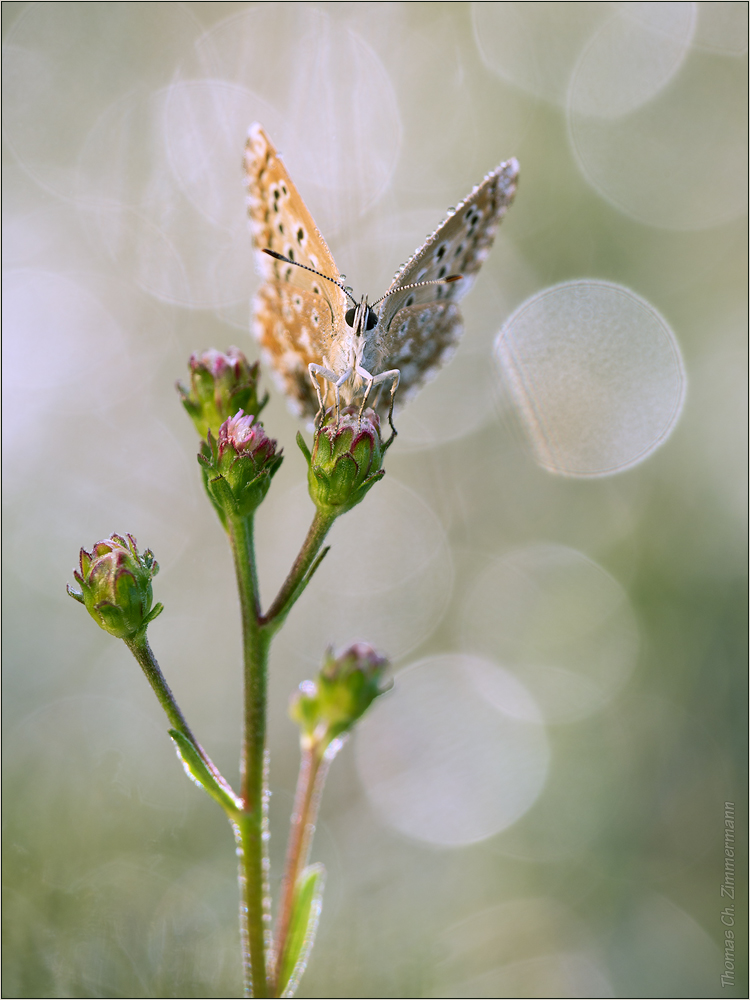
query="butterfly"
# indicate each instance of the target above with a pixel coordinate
(323, 345)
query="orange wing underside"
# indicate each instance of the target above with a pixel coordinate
(293, 330)
(296, 312)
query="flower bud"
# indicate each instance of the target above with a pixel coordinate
(115, 584)
(220, 385)
(238, 468)
(346, 459)
(345, 688)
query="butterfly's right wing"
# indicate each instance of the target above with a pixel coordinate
(459, 245)
(419, 329)
(297, 315)
(421, 340)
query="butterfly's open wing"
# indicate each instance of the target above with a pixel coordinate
(297, 314)
(421, 340)
(458, 246)
(419, 328)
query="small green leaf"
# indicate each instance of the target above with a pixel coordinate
(308, 900)
(198, 771)
(303, 447)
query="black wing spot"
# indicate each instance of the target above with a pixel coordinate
(300, 234)
(283, 188)
(409, 301)
(459, 250)
(440, 253)
(316, 289)
(281, 227)
(442, 272)
(290, 254)
(473, 217)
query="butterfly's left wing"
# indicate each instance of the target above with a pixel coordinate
(419, 328)
(298, 316)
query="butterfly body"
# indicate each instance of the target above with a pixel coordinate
(324, 347)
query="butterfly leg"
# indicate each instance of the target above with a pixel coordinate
(336, 382)
(314, 371)
(372, 380)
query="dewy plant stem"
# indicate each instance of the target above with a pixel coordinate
(301, 572)
(312, 775)
(250, 827)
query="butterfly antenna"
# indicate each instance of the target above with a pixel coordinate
(418, 284)
(288, 260)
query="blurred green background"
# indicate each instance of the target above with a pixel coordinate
(537, 810)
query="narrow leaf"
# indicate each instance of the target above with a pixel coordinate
(199, 772)
(303, 447)
(308, 901)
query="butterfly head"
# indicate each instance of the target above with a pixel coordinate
(361, 318)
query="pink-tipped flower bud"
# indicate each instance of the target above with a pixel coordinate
(346, 686)
(238, 467)
(115, 582)
(220, 385)
(346, 459)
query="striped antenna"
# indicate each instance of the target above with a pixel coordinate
(288, 260)
(401, 288)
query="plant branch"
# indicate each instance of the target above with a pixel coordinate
(141, 650)
(301, 572)
(250, 826)
(312, 774)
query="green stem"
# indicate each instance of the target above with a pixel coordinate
(141, 650)
(250, 826)
(300, 572)
(312, 774)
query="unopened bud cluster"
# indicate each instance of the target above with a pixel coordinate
(346, 686)
(239, 466)
(115, 582)
(220, 385)
(346, 459)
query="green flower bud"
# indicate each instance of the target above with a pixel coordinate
(238, 468)
(115, 584)
(345, 688)
(346, 459)
(220, 385)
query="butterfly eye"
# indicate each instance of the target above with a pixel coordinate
(372, 319)
(350, 316)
